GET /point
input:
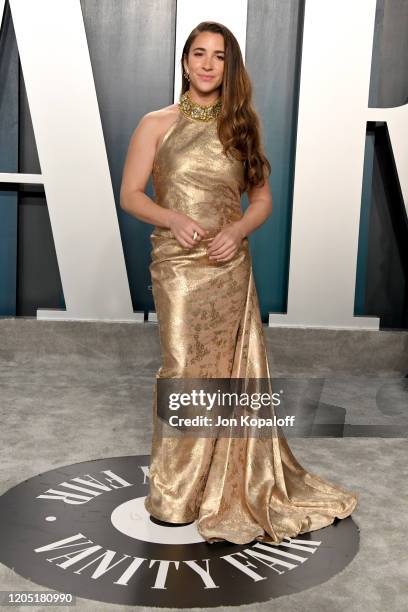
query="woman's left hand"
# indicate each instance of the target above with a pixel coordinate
(226, 243)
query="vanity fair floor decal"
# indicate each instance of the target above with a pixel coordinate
(83, 529)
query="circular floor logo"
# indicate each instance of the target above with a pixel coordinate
(83, 529)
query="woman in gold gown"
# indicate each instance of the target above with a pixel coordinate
(237, 489)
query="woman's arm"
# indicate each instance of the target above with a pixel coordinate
(259, 209)
(136, 172)
(137, 169)
(226, 243)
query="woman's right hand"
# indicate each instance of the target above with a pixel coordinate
(183, 228)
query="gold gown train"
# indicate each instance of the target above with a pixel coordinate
(237, 489)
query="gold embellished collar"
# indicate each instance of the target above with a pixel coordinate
(201, 112)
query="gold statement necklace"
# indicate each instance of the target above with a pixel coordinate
(201, 112)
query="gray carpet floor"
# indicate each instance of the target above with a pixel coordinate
(75, 392)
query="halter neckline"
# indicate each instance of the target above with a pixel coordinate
(199, 112)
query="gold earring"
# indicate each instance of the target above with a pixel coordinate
(186, 75)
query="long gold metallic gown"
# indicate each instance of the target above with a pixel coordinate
(237, 489)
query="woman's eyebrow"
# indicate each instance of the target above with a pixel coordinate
(202, 49)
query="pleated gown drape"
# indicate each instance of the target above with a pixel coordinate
(237, 489)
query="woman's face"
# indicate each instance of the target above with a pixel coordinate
(205, 62)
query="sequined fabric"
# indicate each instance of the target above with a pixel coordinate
(237, 489)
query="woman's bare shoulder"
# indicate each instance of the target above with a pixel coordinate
(157, 122)
(154, 124)
(162, 116)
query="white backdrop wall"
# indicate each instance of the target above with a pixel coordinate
(90, 76)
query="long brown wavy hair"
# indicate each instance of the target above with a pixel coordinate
(238, 122)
